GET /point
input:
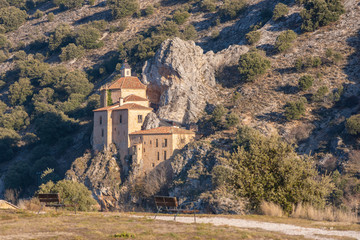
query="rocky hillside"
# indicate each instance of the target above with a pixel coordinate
(187, 52)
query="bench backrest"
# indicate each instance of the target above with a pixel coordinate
(162, 201)
(49, 197)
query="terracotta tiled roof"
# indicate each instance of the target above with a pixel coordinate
(133, 98)
(132, 106)
(127, 83)
(163, 130)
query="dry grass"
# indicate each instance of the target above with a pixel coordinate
(328, 214)
(32, 204)
(271, 209)
(94, 225)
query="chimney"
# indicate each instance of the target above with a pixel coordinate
(121, 101)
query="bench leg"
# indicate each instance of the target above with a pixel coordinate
(41, 207)
(194, 217)
(157, 212)
(177, 212)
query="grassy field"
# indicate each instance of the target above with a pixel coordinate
(96, 225)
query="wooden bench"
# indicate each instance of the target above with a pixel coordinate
(170, 204)
(53, 200)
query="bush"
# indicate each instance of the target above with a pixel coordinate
(123, 8)
(253, 37)
(20, 91)
(3, 107)
(32, 68)
(284, 40)
(62, 36)
(353, 124)
(318, 13)
(75, 82)
(307, 62)
(180, 17)
(71, 52)
(3, 58)
(91, 2)
(149, 10)
(208, 5)
(99, 24)
(17, 119)
(189, 33)
(232, 8)
(294, 110)
(69, 4)
(280, 11)
(252, 65)
(231, 120)
(4, 4)
(333, 56)
(8, 144)
(11, 18)
(50, 17)
(4, 43)
(88, 37)
(320, 94)
(272, 161)
(38, 14)
(305, 82)
(71, 192)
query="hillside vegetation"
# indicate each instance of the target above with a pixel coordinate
(297, 85)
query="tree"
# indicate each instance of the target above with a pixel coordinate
(123, 8)
(62, 35)
(4, 4)
(149, 10)
(8, 143)
(71, 52)
(88, 37)
(190, 32)
(305, 82)
(294, 110)
(267, 168)
(50, 17)
(319, 13)
(69, 3)
(231, 120)
(71, 192)
(11, 18)
(20, 91)
(4, 43)
(252, 64)
(32, 68)
(180, 17)
(75, 82)
(353, 124)
(17, 119)
(208, 5)
(253, 37)
(280, 11)
(284, 40)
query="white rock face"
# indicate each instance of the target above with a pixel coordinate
(184, 78)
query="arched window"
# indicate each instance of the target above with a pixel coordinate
(102, 132)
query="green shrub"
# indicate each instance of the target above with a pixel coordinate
(18, 119)
(305, 82)
(353, 124)
(91, 2)
(4, 43)
(215, 34)
(294, 110)
(284, 40)
(71, 192)
(53, 76)
(123, 8)
(32, 68)
(304, 63)
(252, 65)
(8, 144)
(69, 4)
(88, 37)
(3, 107)
(208, 5)
(180, 17)
(71, 52)
(50, 17)
(218, 113)
(20, 91)
(11, 18)
(4, 4)
(231, 120)
(282, 176)
(333, 56)
(280, 11)
(61, 37)
(253, 37)
(75, 82)
(3, 58)
(232, 8)
(319, 13)
(38, 14)
(320, 94)
(149, 10)
(189, 32)
(99, 24)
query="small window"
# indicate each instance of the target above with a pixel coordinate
(153, 164)
(144, 149)
(165, 142)
(120, 118)
(158, 155)
(144, 143)
(140, 118)
(157, 143)
(102, 132)
(100, 120)
(164, 155)
(150, 142)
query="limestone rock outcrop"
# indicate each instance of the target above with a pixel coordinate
(151, 121)
(181, 78)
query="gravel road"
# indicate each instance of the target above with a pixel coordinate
(315, 233)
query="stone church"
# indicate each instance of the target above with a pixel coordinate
(121, 124)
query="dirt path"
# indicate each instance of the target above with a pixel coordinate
(288, 229)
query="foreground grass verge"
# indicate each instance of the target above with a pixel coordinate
(95, 225)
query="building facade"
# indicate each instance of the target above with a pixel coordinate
(120, 124)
